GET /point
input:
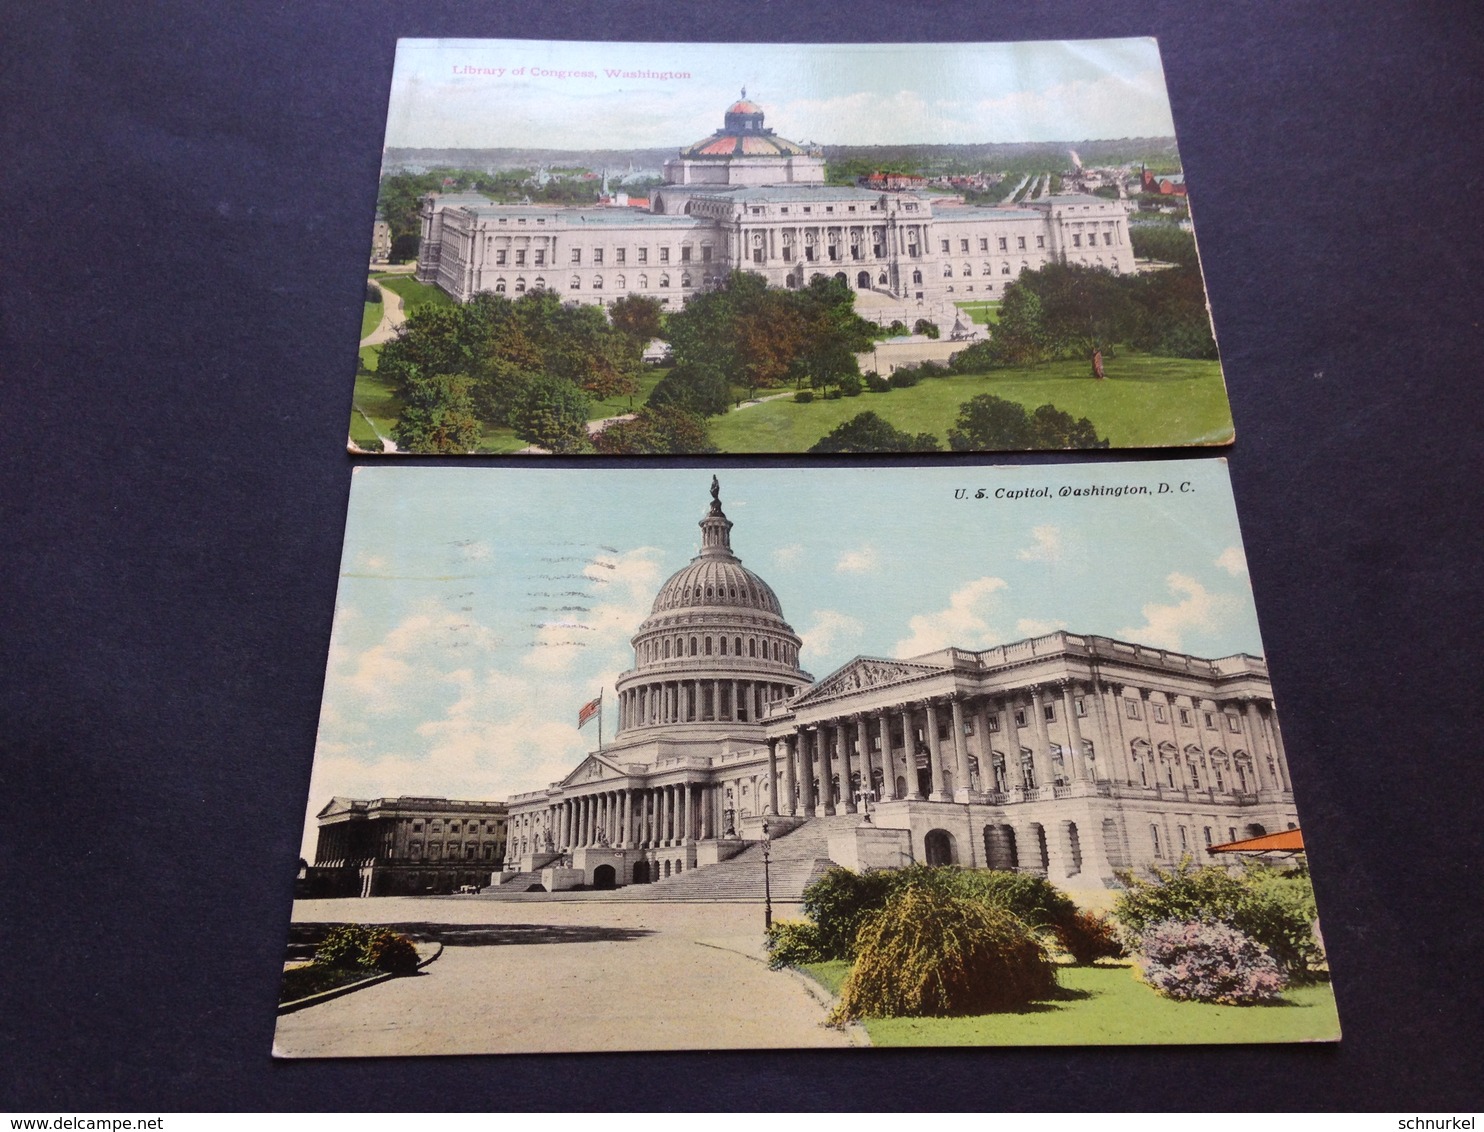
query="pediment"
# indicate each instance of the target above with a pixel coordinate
(594, 768)
(865, 673)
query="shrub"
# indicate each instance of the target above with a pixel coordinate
(897, 327)
(792, 942)
(373, 292)
(926, 326)
(1038, 902)
(904, 378)
(841, 900)
(929, 953)
(1088, 937)
(1207, 962)
(833, 395)
(358, 946)
(803, 396)
(878, 384)
(1275, 909)
(850, 385)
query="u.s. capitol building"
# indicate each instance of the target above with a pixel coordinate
(746, 198)
(1067, 755)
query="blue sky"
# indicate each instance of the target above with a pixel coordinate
(479, 608)
(498, 93)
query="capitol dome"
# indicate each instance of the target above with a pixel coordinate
(715, 647)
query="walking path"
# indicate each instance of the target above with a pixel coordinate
(392, 316)
(564, 976)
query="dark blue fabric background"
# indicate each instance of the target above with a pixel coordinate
(187, 198)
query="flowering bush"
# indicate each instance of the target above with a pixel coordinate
(370, 948)
(1088, 937)
(792, 942)
(1207, 961)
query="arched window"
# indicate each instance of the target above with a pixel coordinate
(737, 646)
(520, 286)
(575, 283)
(985, 270)
(948, 271)
(693, 646)
(597, 282)
(722, 644)
(664, 280)
(540, 284)
(685, 279)
(643, 282)
(1004, 269)
(620, 283)
(917, 278)
(1154, 836)
(667, 648)
(708, 646)
(752, 646)
(500, 286)
(967, 271)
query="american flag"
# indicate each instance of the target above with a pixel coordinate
(588, 710)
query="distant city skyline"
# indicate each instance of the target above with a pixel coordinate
(540, 94)
(478, 609)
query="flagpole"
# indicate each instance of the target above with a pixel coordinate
(600, 719)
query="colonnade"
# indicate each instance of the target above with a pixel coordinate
(637, 818)
(697, 701)
(1095, 734)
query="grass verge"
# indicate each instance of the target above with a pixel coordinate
(414, 294)
(1107, 1005)
(301, 982)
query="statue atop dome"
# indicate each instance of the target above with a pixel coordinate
(715, 496)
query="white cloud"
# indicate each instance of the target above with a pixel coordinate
(1046, 547)
(790, 555)
(964, 623)
(1033, 627)
(826, 629)
(1232, 560)
(861, 561)
(1198, 610)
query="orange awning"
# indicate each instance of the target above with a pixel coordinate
(1289, 841)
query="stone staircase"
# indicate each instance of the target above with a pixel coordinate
(797, 859)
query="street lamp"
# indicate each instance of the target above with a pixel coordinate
(767, 880)
(863, 800)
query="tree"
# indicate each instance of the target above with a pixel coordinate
(637, 317)
(552, 413)
(926, 326)
(987, 423)
(867, 432)
(696, 387)
(437, 416)
(656, 431)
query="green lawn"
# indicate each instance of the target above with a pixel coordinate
(371, 319)
(1108, 1005)
(617, 406)
(986, 312)
(1146, 401)
(414, 294)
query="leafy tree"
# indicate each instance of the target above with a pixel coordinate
(1020, 338)
(551, 413)
(987, 423)
(637, 317)
(1166, 242)
(696, 387)
(437, 416)
(867, 432)
(656, 431)
(926, 326)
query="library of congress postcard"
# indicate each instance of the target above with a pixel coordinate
(630, 248)
(618, 759)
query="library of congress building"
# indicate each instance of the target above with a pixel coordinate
(1067, 755)
(746, 198)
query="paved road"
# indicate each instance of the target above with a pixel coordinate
(559, 976)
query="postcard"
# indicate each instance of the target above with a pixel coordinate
(641, 759)
(641, 248)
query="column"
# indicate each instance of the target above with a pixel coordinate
(825, 802)
(909, 749)
(935, 756)
(1275, 741)
(984, 746)
(736, 700)
(1014, 772)
(695, 701)
(863, 741)
(790, 780)
(888, 775)
(1077, 767)
(806, 773)
(1113, 708)
(772, 807)
(1041, 748)
(960, 753)
(1256, 741)
(842, 744)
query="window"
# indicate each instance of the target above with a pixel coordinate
(963, 246)
(1004, 269)
(500, 258)
(1159, 713)
(1040, 241)
(944, 245)
(597, 282)
(664, 255)
(984, 243)
(1184, 841)
(540, 257)
(665, 280)
(1210, 721)
(1079, 704)
(575, 284)
(1195, 776)
(1076, 239)
(1108, 239)
(685, 254)
(643, 282)
(1206, 833)
(520, 257)
(1131, 708)
(643, 255)
(597, 257)
(1020, 243)
(1184, 717)
(576, 255)
(1048, 712)
(1020, 717)
(620, 255)
(992, 721)
(1154, 836)
(1004, 244)
(705, 253)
